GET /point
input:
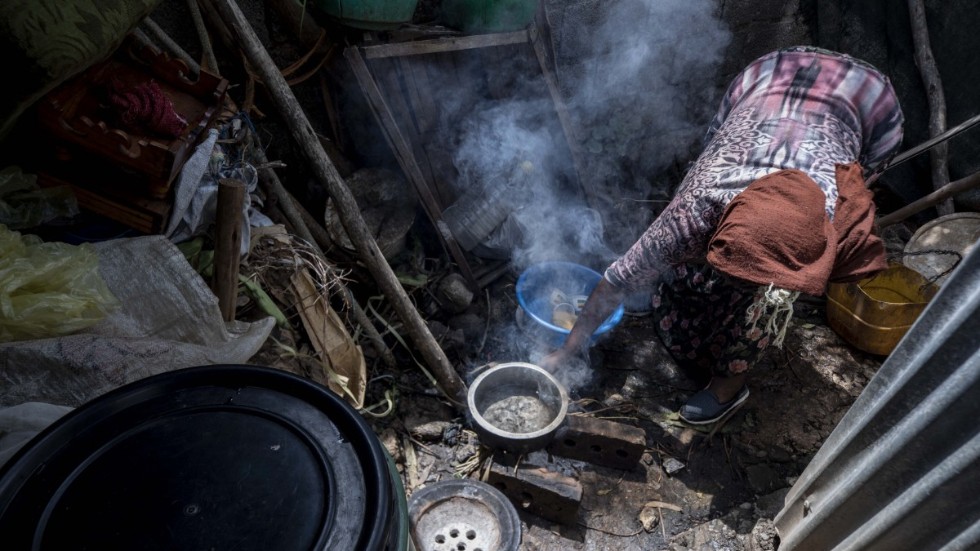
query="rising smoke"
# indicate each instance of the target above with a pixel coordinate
(639, 78)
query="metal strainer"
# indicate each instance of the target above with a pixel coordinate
(463, 515)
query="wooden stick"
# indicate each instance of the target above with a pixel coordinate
(228, 245)
(350, 215)
(942, 194)
(164, 39)
(939, 156)
(438, 45)
(218, 25)
(203, 36)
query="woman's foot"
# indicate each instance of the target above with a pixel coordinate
(721, 397)
(704, 408)
(726, 388)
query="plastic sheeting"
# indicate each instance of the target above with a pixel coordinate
(19, 424)
(168, 319)
(196, 196)
(900, 471)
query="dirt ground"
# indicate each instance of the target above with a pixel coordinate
(725, 484)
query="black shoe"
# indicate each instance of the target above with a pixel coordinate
(703, 408)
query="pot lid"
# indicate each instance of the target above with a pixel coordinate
(214, 457)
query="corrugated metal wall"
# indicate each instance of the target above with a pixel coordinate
(900, 471)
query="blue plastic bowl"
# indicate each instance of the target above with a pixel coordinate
(534, 288)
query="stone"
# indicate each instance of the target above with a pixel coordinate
(672, 465)
(454, 293)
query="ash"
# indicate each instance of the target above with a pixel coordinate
(518, 414)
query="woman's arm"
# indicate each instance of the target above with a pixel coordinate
(605, 298)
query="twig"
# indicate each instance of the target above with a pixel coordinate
(663, 530)
(423, 447)
(486, 329)
(634, 534)
(789, 363)
(728, 455)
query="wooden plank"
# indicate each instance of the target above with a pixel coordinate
(394, 84)
(444, 45)
(139, 213)
(421, 112)
(420, 94)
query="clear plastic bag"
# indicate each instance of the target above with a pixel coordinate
(48, 289)
(23, 204)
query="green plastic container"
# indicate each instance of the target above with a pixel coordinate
(482, 16)
(374, 15)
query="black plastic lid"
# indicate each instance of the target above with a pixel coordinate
(215, 457)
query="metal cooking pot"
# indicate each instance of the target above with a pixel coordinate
(516, 406)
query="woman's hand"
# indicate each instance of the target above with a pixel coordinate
(555, 360)
(601, 303)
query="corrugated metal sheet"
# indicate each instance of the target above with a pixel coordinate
(900, 471)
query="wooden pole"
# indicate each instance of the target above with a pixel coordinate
(202, 33)
(350, 216)
(934, 198)
(168, 43)
(939, 157)
(228, 245)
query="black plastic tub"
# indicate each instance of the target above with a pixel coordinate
(216, 457)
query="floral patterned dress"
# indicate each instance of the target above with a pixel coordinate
(702, 321)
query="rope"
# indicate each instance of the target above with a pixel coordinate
(780, 302)
(933, 279)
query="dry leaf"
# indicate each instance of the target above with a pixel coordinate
(344, 362)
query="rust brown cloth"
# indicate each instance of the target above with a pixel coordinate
(777, 232)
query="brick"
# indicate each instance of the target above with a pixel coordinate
(549, 495)
(600, 442)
